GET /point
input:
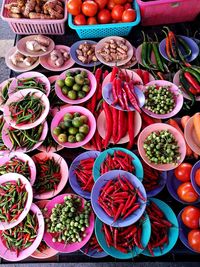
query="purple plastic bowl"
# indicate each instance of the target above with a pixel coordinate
(191, 43)
(102, 180)
(163, 180)
(192, 177)
(172, 185)
(72, 176)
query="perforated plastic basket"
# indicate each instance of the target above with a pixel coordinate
(104, 30)
(34, 26)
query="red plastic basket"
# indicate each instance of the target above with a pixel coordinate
(34, 26)
(168, 11)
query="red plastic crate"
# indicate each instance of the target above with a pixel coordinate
(168, 11)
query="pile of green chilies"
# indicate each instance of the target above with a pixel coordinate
(13, 197)
(32, 82)
(2, 146)
(21, 236)
(4, 92)
(25, 138)
(48, 175)
(26, 110)
(16, 165)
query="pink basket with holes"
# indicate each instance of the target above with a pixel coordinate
(34, 26)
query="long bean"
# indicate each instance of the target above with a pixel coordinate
(32, 82)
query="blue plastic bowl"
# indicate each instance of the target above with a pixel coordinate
(162, 183)
(101, 214)
(192, 177)
(75, 185)
(139, 173)
(146, 233)
(173, 231)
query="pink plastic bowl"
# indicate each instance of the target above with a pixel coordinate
(8, 177)
(63, 170)
(178, 97)
(11, 255)
(72, 109)
(93, 86)
(61, 247)
(1, 87)
(19, 95)
(159, 127)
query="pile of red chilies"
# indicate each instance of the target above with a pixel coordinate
(92, 245)
(84, 174)
(151, 177)
(119, 161)
(123, 91)
(123, 239)
(159, 227)
(144, 75)
(119, 198)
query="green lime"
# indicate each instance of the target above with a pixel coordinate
(76, 114)
(79, 79)
(62, 125)
(62, 138)
(60, 83)
(80, 137)
(86, 88)
(71, 139)
(57, 130)
(69, 74)
(69, 81)
(65, 90)
(81, 94)
(84, 129)
(68, 116)
(84, 118)
(84, 73)
(77, 122)
(68, 123)
(76, 87)
(73, 130)
(86, 81)
(72, 94)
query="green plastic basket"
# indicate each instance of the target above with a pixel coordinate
(104, 30)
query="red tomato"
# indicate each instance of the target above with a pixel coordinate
(127, 6)
(187, 193)
(91, 21)
(110, 4)
(197, 177)
(129, 15)
(191, 217)
(194, 240)
(101, 3)
(74, 7)
(89, 8)
(120, 2)
(80, 19)
(182, 172)
(117, 12)
(104, 16)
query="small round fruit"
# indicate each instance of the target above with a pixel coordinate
(68, 116)
(71, 139)
(62, 138)
(84, 118)
(187, 193)
(89, 8)
(57, 131)
(191, 217)
(68, 123)
(194, 240)
(76, 114)
(69, 81)
(76, 87)
(65, 90)
(84, 73)
(91, 21)
(60, 83)
(85, 88)
(80, 20)
(73, 130)
(86, 81)
(74, 7)
(117, 12)
(81, 94)
(77, 122)
(182, 172)
(80, 137)
(62, 125)
(84, 129)
(69, 73)
(129, 15)
(79, 79)
(72, 94)
(104, 16)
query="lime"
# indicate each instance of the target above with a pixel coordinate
(79, 79)
(68, 116)
(84, 118)
(77, 122)
(72, 94)
(81, 94)
(80, 137)
(84, 129)
(77, 114)
(84, 73)
(69, 73)
(86, 88)
(86, 81)
(76, 87)
(68, 123)
(73, 130)
(65, 90)
(57, 130)
(71, 139)
(62, 138)
(69, 81)
(62, 125)
(60, 83)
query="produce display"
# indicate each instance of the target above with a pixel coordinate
(86, 53)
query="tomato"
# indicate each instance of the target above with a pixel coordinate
(104, 16)
(197, 177)
(74, 7)
(120, 2)
(117, 12)
(182, 172)
(187, 193)
(110, 4)
(191, 217)
(89, 8)
(101, 3)
(127, 6)
(129, 15)
(91, 21)
(194, 240)
(80, 19)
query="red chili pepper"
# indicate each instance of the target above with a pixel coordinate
(160, 75)
(114, 92)
(107, 235)
(115, 114)
(114, 73)
(150, 249)
(193, 91)
(145, 76)
(139, 72)
(131, 128)
(148, 120)
(134, 208)
(192, 80)
(119, 92)
(125, 99)
(109, 123)
(121, 125)
(130, 185)
(161, 242)
(115, 237)
(132, 97)
(140, 195)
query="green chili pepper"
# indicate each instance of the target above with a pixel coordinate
(157, 56)
(186, 87)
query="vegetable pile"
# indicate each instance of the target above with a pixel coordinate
(86, 53)
(19, 60)
(151, 179)
(29, 83)
(59, 56)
